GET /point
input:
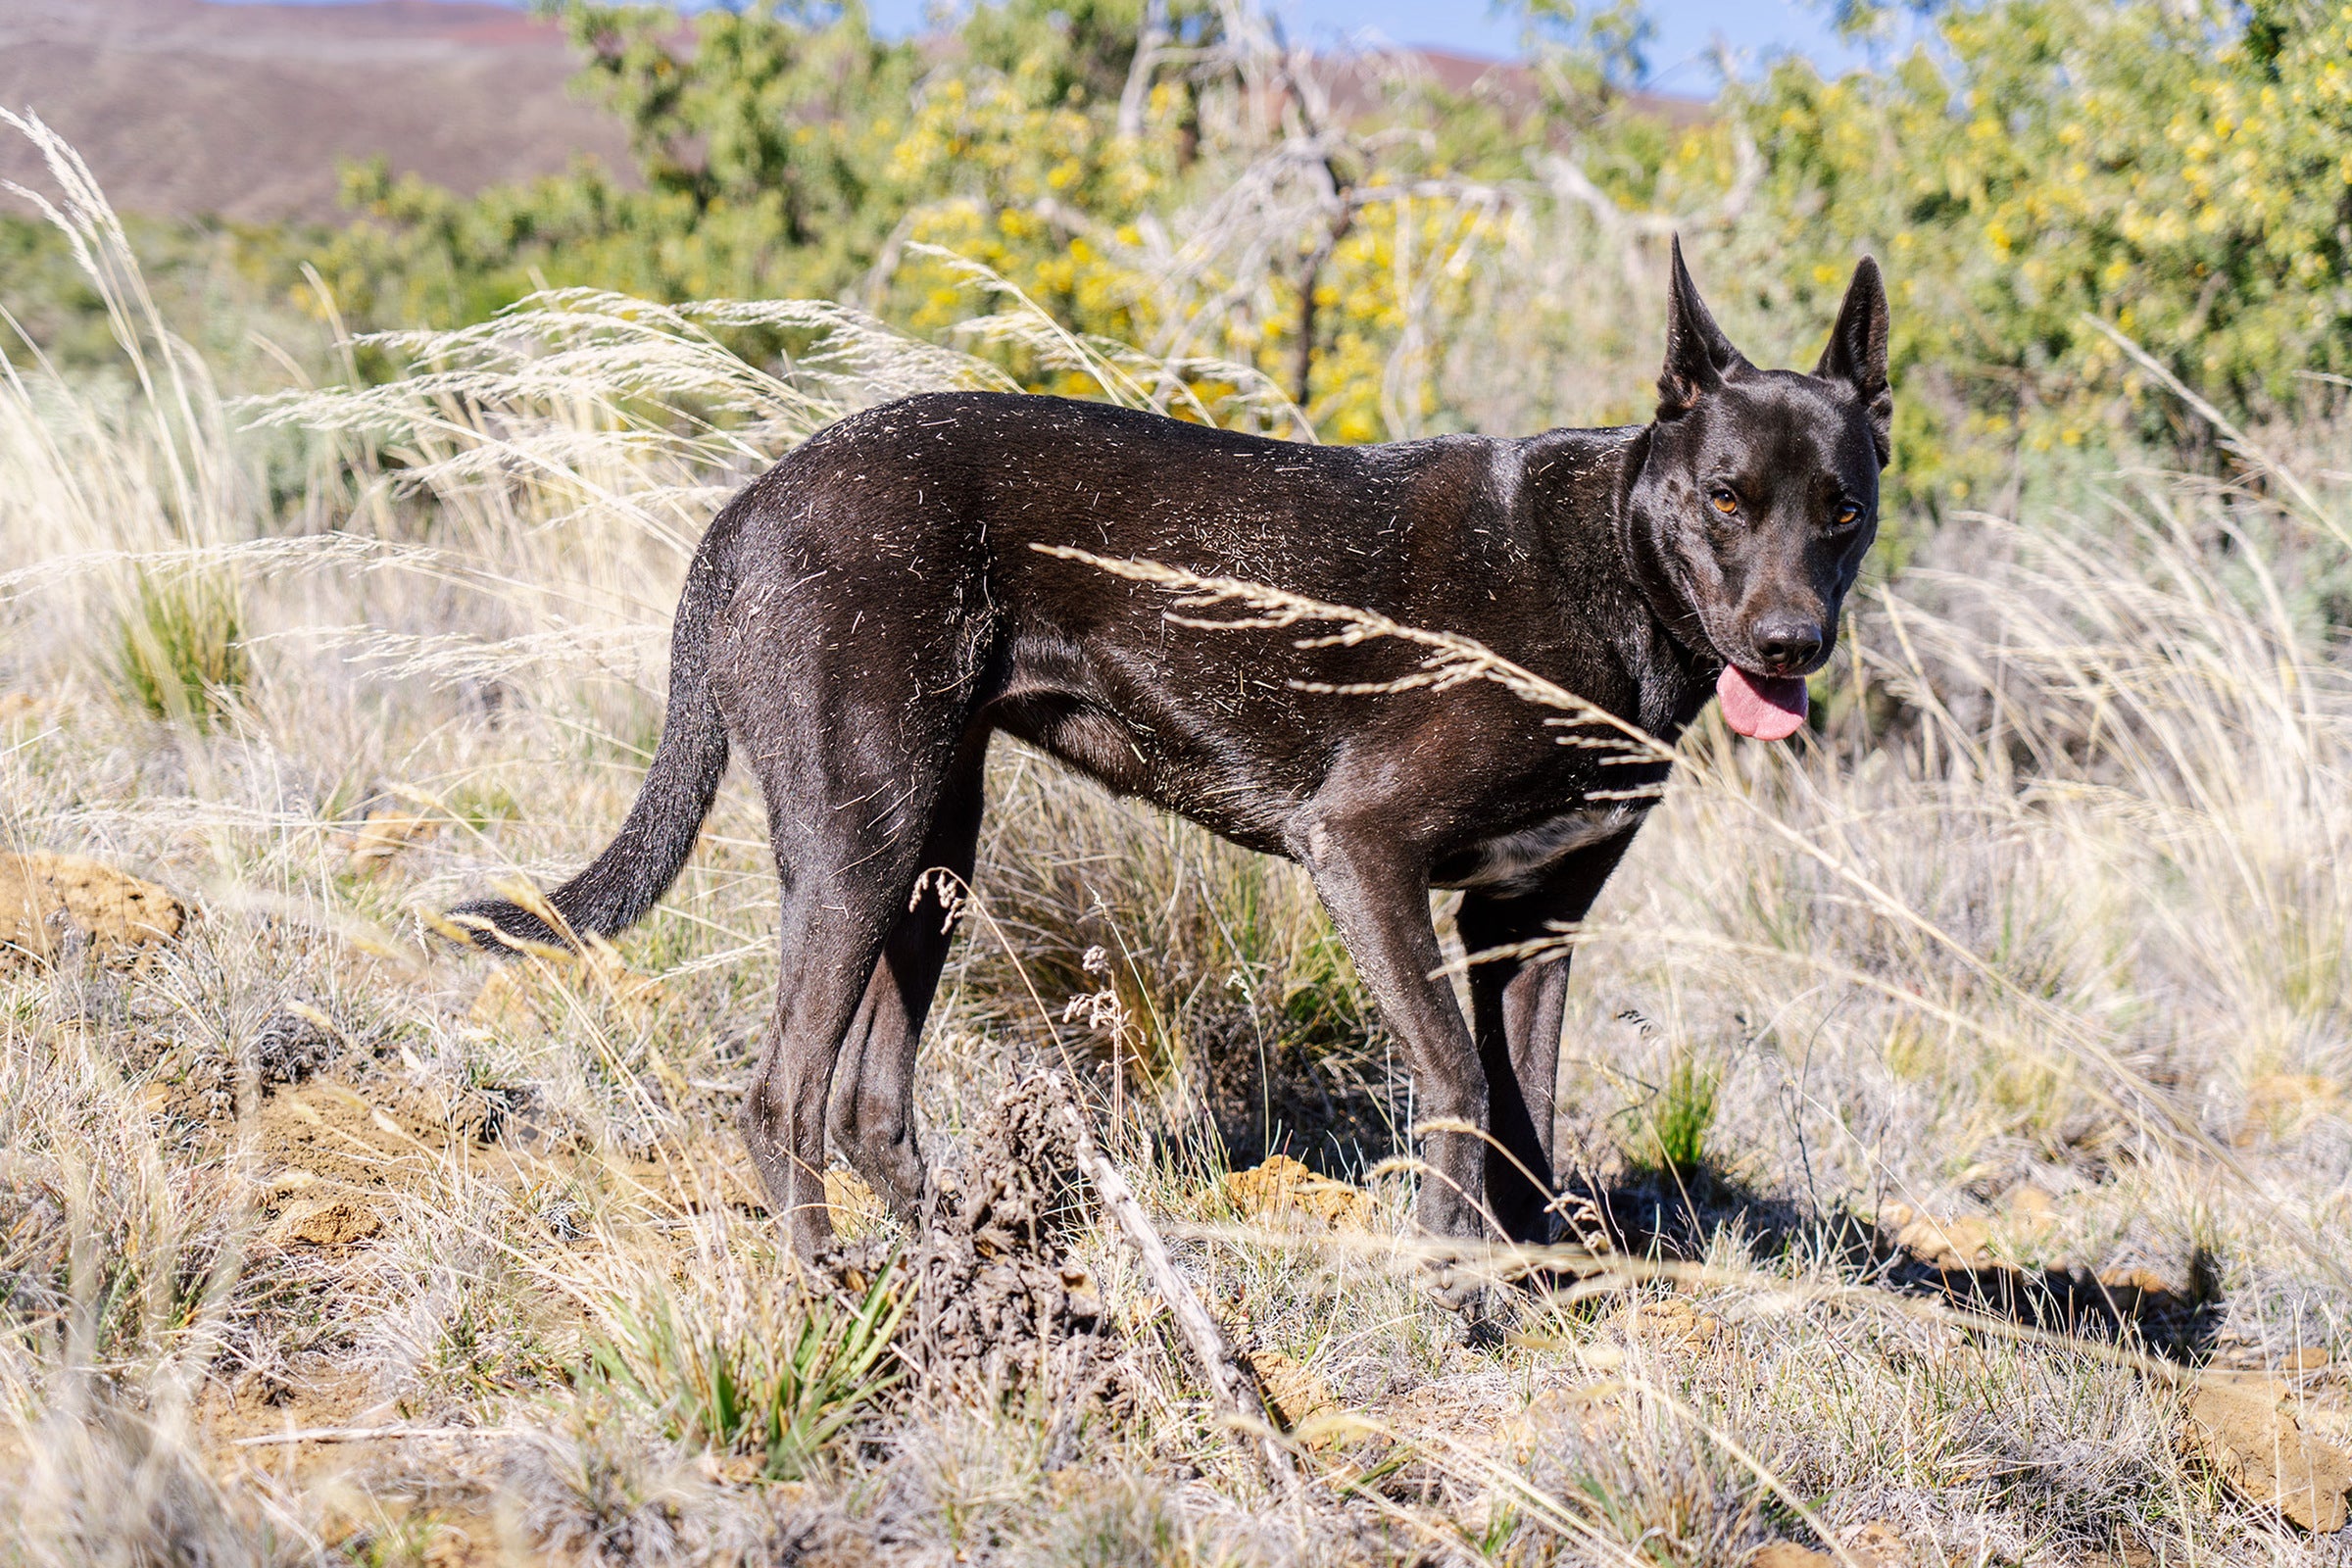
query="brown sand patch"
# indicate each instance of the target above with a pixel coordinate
(324, 1139)
(1672, 1322)
(2279, 1104)
(327, 1222)
(385, 836)
(265, 1404)
(1282, 1190)
(1959, 1245)
(2032, 1211)
(1295, 1395)
(1588, 1410)
(1789, 1554)
(1880, 1545)
(44, 896)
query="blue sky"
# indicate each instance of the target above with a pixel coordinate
(1687, 30)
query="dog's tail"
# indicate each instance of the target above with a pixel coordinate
(653, 845)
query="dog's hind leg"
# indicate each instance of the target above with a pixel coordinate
(853, 776)
(1516, 1006)
(841, 902)
(872, 1114)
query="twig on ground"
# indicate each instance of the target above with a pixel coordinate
(1230, 1381)
(381, 1434)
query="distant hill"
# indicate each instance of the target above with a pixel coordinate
(185, 109)
(188, 109)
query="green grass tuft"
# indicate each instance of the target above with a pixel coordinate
(180, 651)
(783, 1390)
(1682, 1114)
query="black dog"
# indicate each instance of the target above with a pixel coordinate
(862, 619)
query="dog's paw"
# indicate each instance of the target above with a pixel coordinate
(1479, 1307)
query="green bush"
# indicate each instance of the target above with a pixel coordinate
(2181, 172)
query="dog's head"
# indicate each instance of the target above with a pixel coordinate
(1758, 496)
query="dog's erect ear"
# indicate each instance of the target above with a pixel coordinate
(1857, 351)
(1697, 355)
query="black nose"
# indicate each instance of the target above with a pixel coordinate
(1786, 641)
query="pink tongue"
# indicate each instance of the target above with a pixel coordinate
(1762, 707)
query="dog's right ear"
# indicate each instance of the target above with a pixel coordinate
(1697, 355)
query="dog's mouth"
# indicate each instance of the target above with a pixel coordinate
(1762, 707)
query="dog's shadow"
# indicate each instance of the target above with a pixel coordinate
(1342, 1124)
(1676, 1215)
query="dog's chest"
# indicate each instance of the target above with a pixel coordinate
(1516, 862)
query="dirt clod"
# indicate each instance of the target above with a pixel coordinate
(2250, 1431)
(1293, 1390)
(1879, 1544)
(382, 837)
(44, 896)
(1281, 1188)
(1672, 1322)
(1789, 1554)
(1002, 1302)
(2134, 1282)
(2279, 1104)
(1954, 1245)
(329, 1222)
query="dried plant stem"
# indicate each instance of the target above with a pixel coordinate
(1232, 1385)
(1452, 661)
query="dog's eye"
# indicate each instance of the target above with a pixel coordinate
(1725, 502)
(1848, 514)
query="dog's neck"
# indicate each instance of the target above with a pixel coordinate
(1588, 516)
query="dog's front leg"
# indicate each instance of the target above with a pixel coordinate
(1517, 1004)
(1379, 899)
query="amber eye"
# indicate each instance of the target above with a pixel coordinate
(1848, 514)
(1725, 502)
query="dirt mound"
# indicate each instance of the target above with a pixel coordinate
(2256, 1433)
(385, 836)
(1951, 1244)
(327, 1222)
(1001, 1306)
(1282, 1189)
(44, 896)
(333, 1163)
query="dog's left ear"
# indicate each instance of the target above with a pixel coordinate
(1857, 351)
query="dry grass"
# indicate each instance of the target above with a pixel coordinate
(2057, 903)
